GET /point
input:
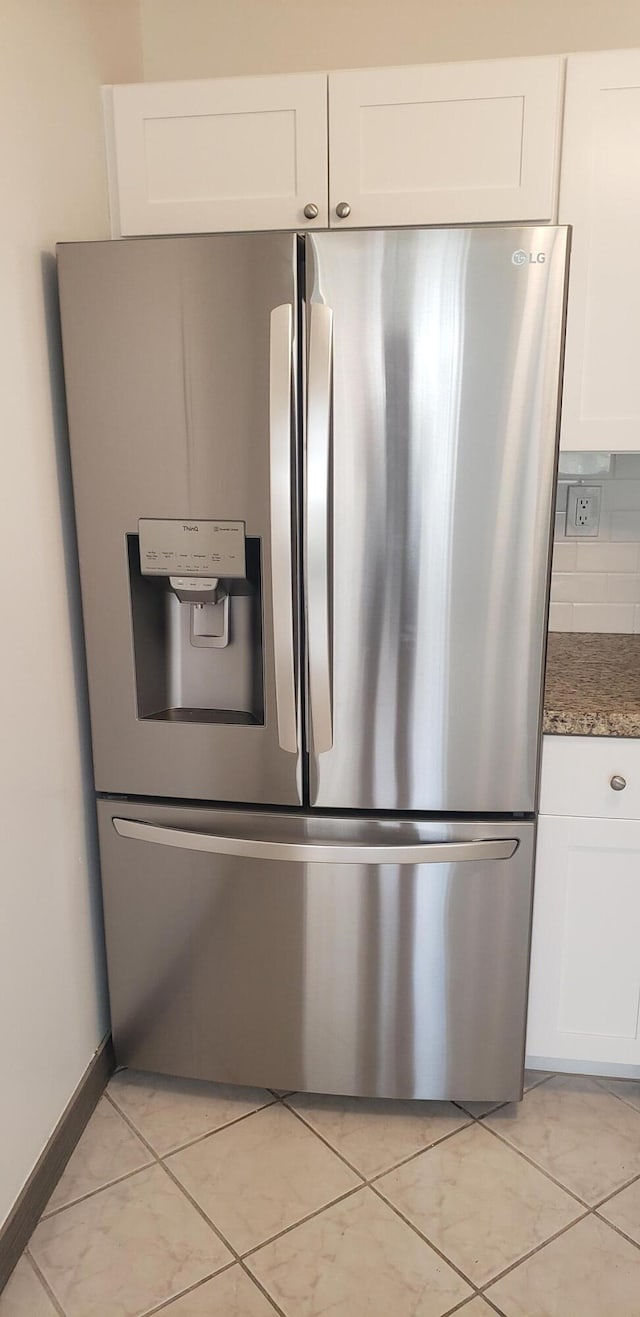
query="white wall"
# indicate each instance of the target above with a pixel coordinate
(53, 56)
(207, 38)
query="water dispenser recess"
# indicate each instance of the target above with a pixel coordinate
(196, 608)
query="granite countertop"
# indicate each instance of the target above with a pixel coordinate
(592, 685)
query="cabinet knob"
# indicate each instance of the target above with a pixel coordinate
(617, 783)
(343, 209)
(311, 210)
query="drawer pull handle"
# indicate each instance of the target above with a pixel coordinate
(618, 783)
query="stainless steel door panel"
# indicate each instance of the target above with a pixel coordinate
(390, 978)
(446, 364)
(174, 369)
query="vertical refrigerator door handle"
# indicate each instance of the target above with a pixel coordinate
(280, 418)
(318, 483)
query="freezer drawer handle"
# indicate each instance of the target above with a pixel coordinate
(310, 852)
(280, 415)
(318, 505)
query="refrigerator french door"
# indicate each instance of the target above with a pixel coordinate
(313, 483)
(169, 348)
(436, 442)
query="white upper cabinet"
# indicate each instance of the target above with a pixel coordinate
(600, 196)
(439, 144)
(445, 143)
(222, 154)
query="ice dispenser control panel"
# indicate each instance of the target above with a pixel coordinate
(192, 548)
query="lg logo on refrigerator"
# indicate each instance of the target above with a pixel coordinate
(528, 258)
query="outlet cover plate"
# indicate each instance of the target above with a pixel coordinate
(583, 510)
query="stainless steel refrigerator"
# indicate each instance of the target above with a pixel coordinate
(313, 483)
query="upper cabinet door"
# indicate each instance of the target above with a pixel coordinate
(224, 154)
(600, 197)
(445, 143)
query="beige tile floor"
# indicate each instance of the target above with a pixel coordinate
(199, 1200)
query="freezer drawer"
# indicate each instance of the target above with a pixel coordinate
(338, 955)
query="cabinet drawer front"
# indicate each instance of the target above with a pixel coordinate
(225, 154)
(448, 143)
(577, 773)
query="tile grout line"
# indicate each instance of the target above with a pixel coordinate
(166, 1303)
(459, 1307)
(199, 1138)
(368, 1180)
(472, 1115)
(497, 1106)
(500, 1275)
(91, 1193)
(237, 1258)
(590, 1212)
(602, 1084)
(618, 1229)
(200, 1210)
(480, 1290)
(240, 1257)
(587, 1210)
(481, 1120)
(491, 1303)
(536, 1166)
(590, 1207)
(547, 1075)
(614, 1193)
(255, 1248)
(414, 1155)
(129, 1122)
(426, 1240)
(258, 1284)
(44, 1282)
(322, 1139)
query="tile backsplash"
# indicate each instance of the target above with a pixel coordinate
(595, 581)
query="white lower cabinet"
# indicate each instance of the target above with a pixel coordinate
(585, 968)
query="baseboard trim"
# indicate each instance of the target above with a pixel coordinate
(600, 1069)
(27, 1210)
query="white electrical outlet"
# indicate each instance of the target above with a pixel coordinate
(583, 510)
